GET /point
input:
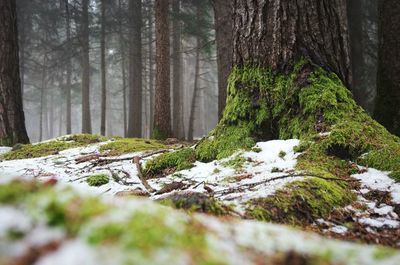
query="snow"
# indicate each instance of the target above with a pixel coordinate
(374, 179)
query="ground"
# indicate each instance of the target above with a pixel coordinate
(50, 206)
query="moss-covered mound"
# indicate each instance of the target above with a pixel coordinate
(170, 162)
(98, 180)
(52, 147)
(313, 105)
(301, 202)
(130, 145)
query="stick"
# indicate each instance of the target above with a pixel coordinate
(136, 160)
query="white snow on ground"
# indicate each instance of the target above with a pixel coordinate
(374, 179)
(276, 159)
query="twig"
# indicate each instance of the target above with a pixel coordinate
(136, 160)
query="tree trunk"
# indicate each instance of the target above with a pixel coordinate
(162, 114)
(224, 40)
(282, 32)
(355, 17)
(195, 96)
(12, 120)
(177, 117)
(387, 110)
(85, 64)
(43, 101)
(135, 69)
(123, 65)
(151, 70)
(103, 69)
(69, 69)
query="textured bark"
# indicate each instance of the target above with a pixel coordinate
(355, 15)
(162, 114)
(103, 69)
(12, 121)
(68, 68)
(224, 39)
(177, 125)
(85, 64)
(275, 33)
(387, 110)
(135, 69)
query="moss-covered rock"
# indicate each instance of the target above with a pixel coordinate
(130, 145)
(173, 161)
(52, 147)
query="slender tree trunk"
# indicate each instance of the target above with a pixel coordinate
(282, 32)
(85, 64)
(123, 67)
(177, 117)
(43, 101)
(12, 120)
(151, 70)
(103, 69)
(224, 39)
(355, 15)
(135, 69)
(387, 110)
(195, 96)
(162, 114)
(69, 70)
(51, 119)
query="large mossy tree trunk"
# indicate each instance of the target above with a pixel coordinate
(387, 110)
(290, 78)
(12, 120)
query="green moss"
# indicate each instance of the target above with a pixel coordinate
(52, 147)
(16, 191)
(197, 202)
(149, 232)
(177, 160)
(236, 163)
(98, 180)
(131, 145)
(282, 154)
(301, 202)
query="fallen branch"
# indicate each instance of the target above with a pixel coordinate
(136, 160)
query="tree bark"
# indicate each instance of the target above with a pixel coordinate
(387, 110)
(85, 64)
(69, 69)
(177, 117)
(274, 34)
(135, 69)
(151, 69)
(224, 40)
(123, 67)
(103, 69)
(162, 114)
(12, 120)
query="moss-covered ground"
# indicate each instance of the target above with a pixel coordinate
(52, 147)
(130, 145)
(177, 160)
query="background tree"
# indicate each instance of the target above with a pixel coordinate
(135, 69)
(12, 121)
(103, 68)
(162, 114)
(387, 110)
(85, 64)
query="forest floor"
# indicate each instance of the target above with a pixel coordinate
(222, 190)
